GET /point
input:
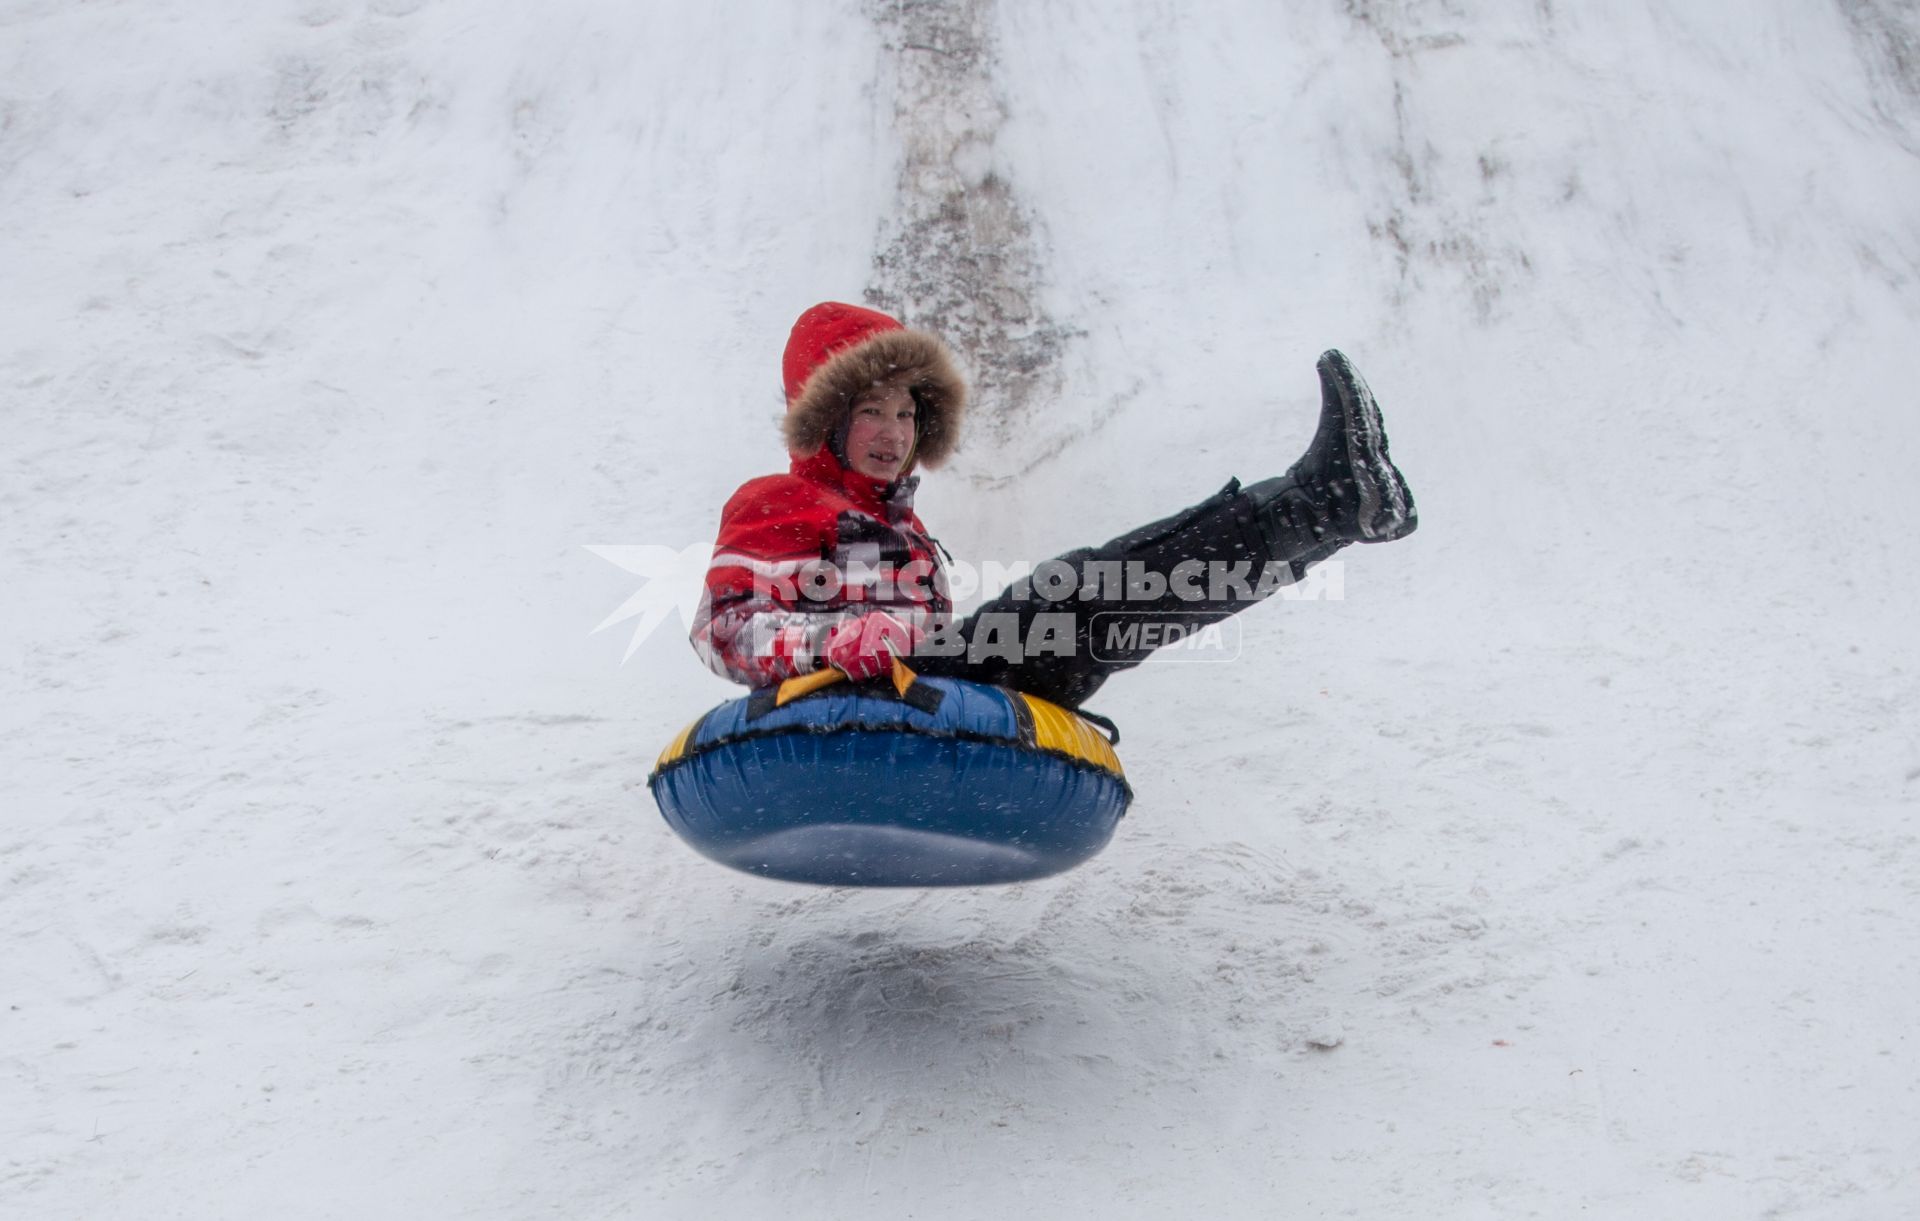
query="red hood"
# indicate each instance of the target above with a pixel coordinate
(837, 350)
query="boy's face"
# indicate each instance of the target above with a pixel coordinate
(880, 430)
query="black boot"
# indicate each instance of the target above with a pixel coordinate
(1344, 489)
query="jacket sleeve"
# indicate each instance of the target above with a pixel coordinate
(751, 627)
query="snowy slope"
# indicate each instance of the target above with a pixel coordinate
(1564, 867)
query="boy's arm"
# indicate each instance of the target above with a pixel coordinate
(753, 626)
(758, 641)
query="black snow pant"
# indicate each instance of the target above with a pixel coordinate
(1059, 632)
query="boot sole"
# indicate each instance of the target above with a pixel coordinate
(1386, 504)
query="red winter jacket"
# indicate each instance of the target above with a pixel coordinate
(800, 552)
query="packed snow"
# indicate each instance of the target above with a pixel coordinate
(1565, 866)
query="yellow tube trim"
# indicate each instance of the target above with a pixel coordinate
(1055, 729)
(806, 684)
(903, 677)
(678, 746)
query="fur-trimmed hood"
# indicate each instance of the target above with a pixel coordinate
(836, 351)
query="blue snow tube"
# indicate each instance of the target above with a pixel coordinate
(921, 782)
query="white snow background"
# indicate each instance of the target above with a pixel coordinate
(1565, 868)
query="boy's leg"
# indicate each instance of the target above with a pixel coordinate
(1069, 600)
(1196, 567)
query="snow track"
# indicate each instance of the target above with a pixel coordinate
(960, 253)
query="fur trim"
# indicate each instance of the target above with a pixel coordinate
(937, 385)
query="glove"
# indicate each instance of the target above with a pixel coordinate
(864, 648)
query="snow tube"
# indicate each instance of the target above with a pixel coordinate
(917, 782)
